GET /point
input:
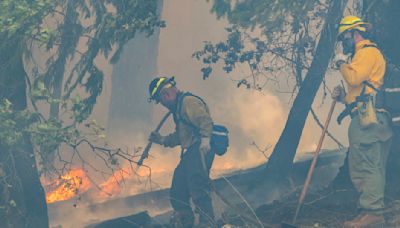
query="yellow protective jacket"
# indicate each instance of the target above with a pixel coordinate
(368, 64)
(193, 121)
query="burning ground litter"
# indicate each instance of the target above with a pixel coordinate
(250, 183)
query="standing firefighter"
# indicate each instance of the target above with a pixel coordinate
(193, 132)
(370, 130)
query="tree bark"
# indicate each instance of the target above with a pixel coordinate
(283, 154)
(69, 39)
(22, 199)
(383, 15)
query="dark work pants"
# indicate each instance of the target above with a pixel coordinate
(191, 181)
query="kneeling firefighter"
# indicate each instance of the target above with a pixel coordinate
(193, 132)
(370, 132)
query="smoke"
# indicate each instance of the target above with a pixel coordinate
(252, 117)
(66, 215)
(255, 119)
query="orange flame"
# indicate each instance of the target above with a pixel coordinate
(115, 184)
(112, 186)
(76, 182)
(68, 186)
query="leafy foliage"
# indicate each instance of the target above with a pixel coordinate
(46, 134)
(10, 124)
(61, 26)
(270, 16)
(69, 35)
(265, 36)
(22, 18)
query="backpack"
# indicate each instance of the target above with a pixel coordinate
(388, 97)
(220, 135)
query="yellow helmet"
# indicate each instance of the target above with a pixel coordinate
(352, 22)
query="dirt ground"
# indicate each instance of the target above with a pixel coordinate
(326, 208)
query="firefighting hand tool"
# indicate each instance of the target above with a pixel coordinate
(146, 150)
(314, 162)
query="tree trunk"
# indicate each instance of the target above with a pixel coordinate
(22, 200)
(56, 71)
(383, 15)
(137, 66)
(282, 157)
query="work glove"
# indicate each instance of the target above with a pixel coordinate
(155, 137)
(205, 146)
(338, 93)
(338, 60)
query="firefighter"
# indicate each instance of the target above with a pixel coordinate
(193, 131)
(370, 130)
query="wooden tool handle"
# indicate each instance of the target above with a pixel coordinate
(146, 150)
